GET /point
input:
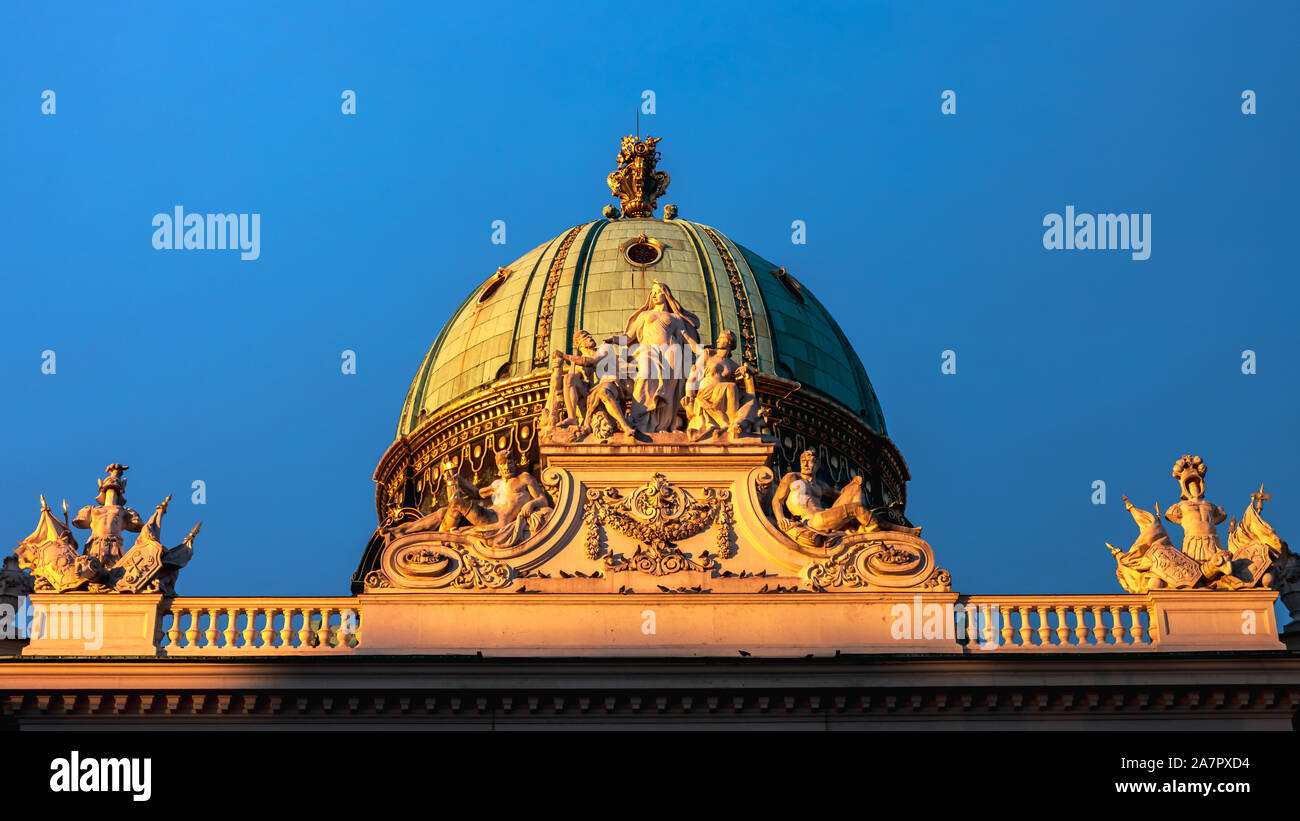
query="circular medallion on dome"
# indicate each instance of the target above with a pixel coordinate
(642, 251)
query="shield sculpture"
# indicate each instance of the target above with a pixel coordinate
(140, 566)
(1173, 566)
(1251, 562)
(59, 566)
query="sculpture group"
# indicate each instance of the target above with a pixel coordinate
(1254, 558)
(52, 555)
(503, 514)
(653, 382)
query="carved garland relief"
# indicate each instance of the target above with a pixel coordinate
(657, 516)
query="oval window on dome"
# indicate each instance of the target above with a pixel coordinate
(642, 251)
(494, 282)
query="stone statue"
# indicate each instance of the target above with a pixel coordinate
(1196, 515)
(149, 566)
(108, 518)
(1255, 557)
(663, 330)
(503, 514)
(720, 394)
(799, 507)
(50, 553)
(591, 387)
(1152, 562)
(13, 581)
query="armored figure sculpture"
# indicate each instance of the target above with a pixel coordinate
(108, 518)
(799, 507)
(50, 553)
(506, 512)
(720, 394)
(1197, 516)
(1255, 557)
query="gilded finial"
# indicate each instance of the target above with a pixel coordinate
(636, 182)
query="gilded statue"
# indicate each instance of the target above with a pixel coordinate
(636, 182)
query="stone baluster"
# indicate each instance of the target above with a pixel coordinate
(305, 634)
(174, 632)
(250, 627)
(1117, 624)
(1026, 632)
(286, 632)
(1080, 625)
(192, 634)
(1062, 626)
(1044, 628)
(1138, 631)
(1007, 632)
(1098, 624)
(326, 633)
(268, 629)
(210, 634)
(232, 622)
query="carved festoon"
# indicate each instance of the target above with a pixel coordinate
(657, 516)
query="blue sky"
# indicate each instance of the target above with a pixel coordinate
(924, 235)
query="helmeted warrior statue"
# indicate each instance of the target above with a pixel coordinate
(1197, 516)
(108, 518)
(1255, 557)
(50, 553)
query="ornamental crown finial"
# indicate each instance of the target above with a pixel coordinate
(636, 182)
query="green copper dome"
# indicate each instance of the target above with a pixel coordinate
(595, 275)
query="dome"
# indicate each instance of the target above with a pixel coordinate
(485, 384)
(595, 275)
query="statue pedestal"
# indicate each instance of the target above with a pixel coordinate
(94, 624)
(1190, 620)
(683, 625)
